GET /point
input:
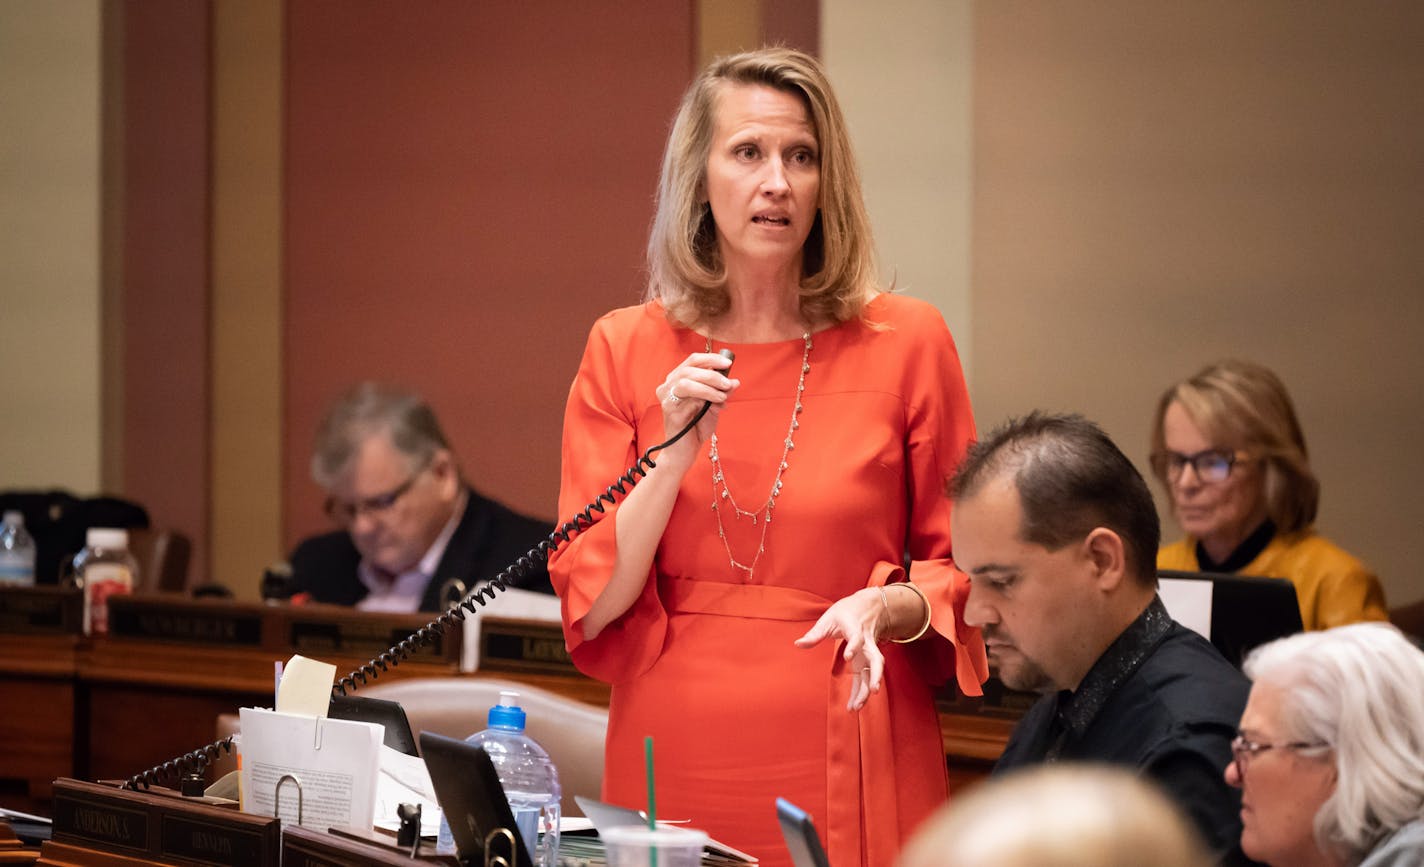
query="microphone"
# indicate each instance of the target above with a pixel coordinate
(730, 356)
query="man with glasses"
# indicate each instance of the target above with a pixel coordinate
(1058, 534)
(409, 523)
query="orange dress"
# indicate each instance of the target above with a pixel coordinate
(704, 660)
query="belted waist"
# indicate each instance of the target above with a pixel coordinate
(758, 601)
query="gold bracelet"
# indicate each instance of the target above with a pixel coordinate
(924, 627)
(885, 601)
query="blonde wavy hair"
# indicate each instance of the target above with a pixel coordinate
(686, 271)
(1243, 405)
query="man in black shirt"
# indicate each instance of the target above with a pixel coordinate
(1059, 536)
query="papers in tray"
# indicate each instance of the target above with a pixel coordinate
(333, 761)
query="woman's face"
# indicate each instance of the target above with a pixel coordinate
(1221, 514)
(763, 176)
(1281, 788)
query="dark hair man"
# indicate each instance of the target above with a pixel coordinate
(1058, 534)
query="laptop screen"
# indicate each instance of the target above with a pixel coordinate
(388, 714)
(1236, 613)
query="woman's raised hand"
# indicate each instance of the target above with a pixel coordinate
(697, 380)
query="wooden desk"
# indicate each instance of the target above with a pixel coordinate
(37, 727)
(109, 708)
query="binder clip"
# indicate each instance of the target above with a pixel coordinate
(409, 832)
(277, 796)
(493, 860)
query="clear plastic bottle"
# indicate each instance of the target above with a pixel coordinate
(104, 568)
(530, 780)
(17, 552)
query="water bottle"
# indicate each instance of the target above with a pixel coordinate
(17, 552)
(103, 569)
(529, 778)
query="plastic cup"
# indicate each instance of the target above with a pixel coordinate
(633, 846)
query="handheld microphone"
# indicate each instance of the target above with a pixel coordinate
(730, 356)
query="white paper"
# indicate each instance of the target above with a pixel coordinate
(405, 780)
(335, 761)
(1189, 603)
(514, 604)
(306, 687)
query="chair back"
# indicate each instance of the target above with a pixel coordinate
(572, 732)
(162, 557)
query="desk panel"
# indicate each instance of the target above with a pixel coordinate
(37, 726)
(107, 708)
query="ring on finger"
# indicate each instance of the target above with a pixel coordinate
(672, 395)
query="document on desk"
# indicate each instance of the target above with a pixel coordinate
(405, 780)
(335, 763)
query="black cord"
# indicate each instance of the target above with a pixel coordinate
(483, 595)
(196, 761)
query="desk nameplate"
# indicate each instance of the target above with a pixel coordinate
(41, 610)
(313, 630)
(173, 619)
(524, 645)
(163, 827)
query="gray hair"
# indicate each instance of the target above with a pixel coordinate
(1360, 689)
(371, 409)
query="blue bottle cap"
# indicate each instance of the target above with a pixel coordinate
(507, 714)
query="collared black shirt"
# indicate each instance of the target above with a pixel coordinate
(1160, 699)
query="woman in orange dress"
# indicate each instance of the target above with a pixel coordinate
(749, 599)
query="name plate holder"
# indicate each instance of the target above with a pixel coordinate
(41, 610)
(103, 824)
(320, 631)
(524, 646)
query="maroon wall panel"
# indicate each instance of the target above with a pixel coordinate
(468, 185)
(794, 23)
(165, 267)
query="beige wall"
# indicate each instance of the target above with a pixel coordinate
(1151, 184)
(902, 71)
(49, 255)
(1161, 184)
(246, 370)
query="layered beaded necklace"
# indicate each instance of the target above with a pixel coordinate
(762, 513)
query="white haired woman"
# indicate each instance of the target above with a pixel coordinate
(1330, 757)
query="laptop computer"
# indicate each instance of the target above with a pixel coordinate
(469, 793)
(388, 714)
(1242, 613)
(802, 841)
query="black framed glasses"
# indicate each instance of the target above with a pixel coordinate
(1211, 466)
(344, 512)
(1243, 750)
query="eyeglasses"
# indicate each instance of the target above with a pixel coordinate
(1244, 750)
(1212, 466)
(344, 512)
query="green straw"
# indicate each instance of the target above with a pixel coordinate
(652, 796)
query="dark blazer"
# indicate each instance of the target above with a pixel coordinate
(489, 538)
